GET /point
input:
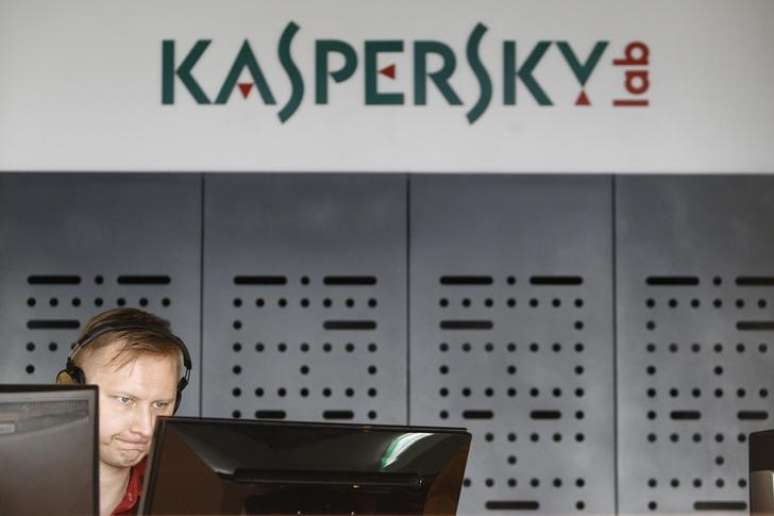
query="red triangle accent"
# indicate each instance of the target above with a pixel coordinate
(245, 88)
(583, 100)
(388, 71)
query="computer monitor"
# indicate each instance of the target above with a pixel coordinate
(48, 450)
(224, 466)
(762, 472)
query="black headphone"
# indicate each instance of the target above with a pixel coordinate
(72, 374)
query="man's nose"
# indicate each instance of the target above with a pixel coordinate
(142, 422)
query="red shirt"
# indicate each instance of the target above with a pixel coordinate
(128, 504)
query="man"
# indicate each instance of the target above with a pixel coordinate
(137, 363)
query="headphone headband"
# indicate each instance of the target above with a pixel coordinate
(102, 329)
(74, 374)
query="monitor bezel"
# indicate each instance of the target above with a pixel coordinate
(57, 392)
(754, 438)
(164, 421)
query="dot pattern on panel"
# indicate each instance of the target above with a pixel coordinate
(486, 380)
(334, 374)
(58, 304)
(701, 395)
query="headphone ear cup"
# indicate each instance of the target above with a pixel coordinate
(63, 377)
(71, 376)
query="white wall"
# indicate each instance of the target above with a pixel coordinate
(80, 88)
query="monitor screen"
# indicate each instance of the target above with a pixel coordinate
(48, 450)
(224, 466)
(762, 472)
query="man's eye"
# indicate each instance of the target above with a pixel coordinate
(123, 400)
(162, 404)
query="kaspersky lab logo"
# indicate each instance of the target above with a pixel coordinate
(634, 62)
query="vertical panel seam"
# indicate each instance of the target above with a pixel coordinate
(201, 294)
(408, 299)
(615, 342)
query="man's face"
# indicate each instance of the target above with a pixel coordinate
(131, 397)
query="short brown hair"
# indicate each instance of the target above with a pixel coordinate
(142, 333)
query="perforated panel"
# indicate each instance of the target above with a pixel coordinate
(305, 290)
(695, 268)
(72, 245)
(511, 313)
(511, 335)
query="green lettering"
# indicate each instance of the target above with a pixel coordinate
(440, 78)
(583, 71)
(322, 49)
(510, 73)
(168, 71)
(245, 59)
(372, 94)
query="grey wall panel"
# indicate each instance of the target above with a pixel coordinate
(268, 352)
(695, 259)
(691, 379)
(532, 256)
(93, 229)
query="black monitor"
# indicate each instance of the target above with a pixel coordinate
(762, 472)
(225, 466)
(48, 450)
